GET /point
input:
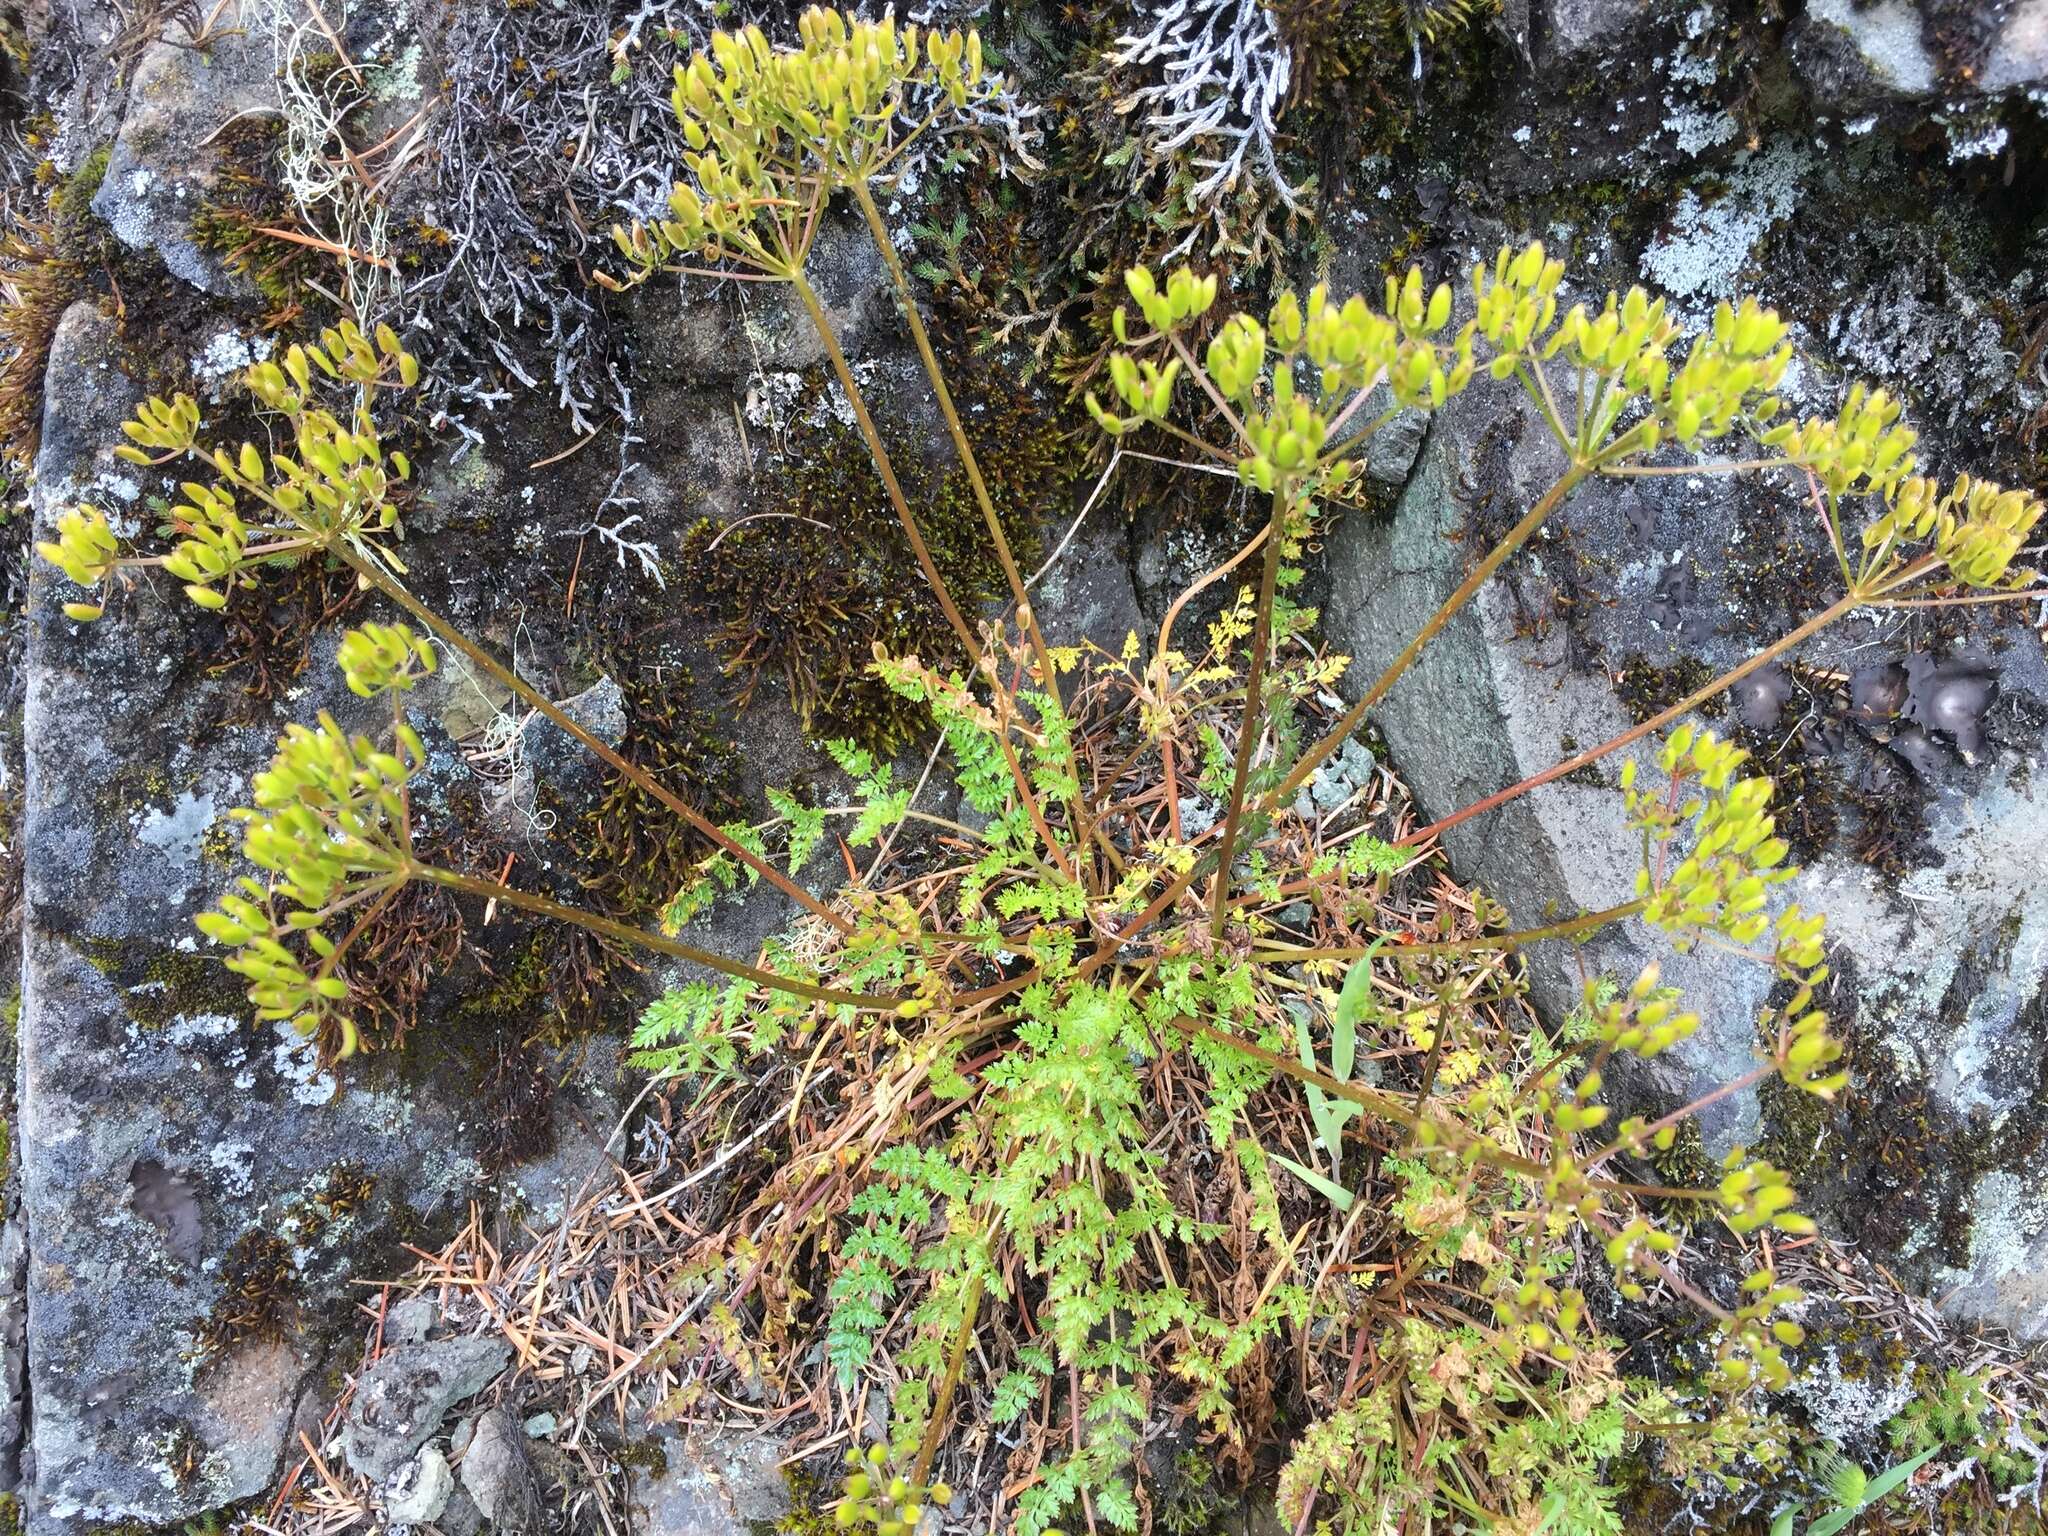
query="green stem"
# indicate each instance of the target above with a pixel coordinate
(1353, 717)
(1251, 722)
(887, 470)
(1571, 928)
(873, 438)
(627, 934)
(956, 1359)
(878, 231)
(371, 571)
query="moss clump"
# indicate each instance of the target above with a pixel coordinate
(809, 1514)
(805, 590)
(260, 1283)
(72, 197)
(636, 853)
(1646, 690)
(259, 1296)
(162, 985)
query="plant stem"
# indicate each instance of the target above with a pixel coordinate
(879, 231)
(1251, 724)
(1656, 722)
(844, 371)
(1585, 923)
(368, 568)
(625, 933)
(906, 300)
(1354, 716)
(955, 1360)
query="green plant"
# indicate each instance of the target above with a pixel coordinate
(1852, 1491)
(1329, 1117)
(1048, 1033)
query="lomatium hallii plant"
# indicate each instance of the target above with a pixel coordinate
(1089, 995)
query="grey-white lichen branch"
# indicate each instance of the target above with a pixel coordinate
(1223, 71)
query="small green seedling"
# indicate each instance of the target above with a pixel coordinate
(1331, 1116)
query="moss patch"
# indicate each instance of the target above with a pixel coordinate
(803, 592)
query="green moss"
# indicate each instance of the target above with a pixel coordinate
(1646, 690)
(635, 853)
(160, 985)
(803, 596)
(72, 197)
(809, 1512)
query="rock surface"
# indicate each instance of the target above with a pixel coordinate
(712, 1485)
(401, 1400)
(499, 1477)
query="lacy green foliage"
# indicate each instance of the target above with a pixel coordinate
(1955, 1415)
(1542, 1446)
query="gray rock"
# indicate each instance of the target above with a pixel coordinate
(2019, 57)
(13, 1350)
(499, 1476)
(712, 1485)
(400, 1401)
(1856, 56)
(157, 1128)
(1573, 27)
(1940, 969)
(410, 1322)
(163, 168)
(551, 755)
(420, 1492)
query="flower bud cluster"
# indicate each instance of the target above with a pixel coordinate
(329, 814)
(383, 658)
(1646, 1022)
(1720, 885)
(883, 1501)
(1754, 1340)
(759, 120)
(1517, 301)
(85, 550)
(1862, 448)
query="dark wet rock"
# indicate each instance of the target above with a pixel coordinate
(1950, 697)
(401, 1400)
(1760, 698)
(498, 1475)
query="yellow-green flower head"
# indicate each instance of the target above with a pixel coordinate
(383, 658)
(1864, 447)
(1516, 302)
(1978, 529)
(85, 548)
